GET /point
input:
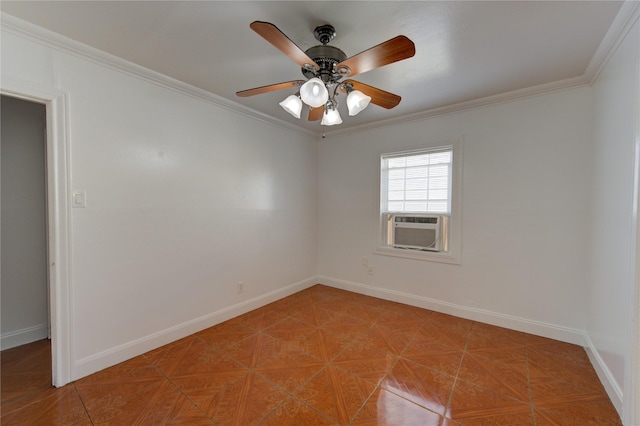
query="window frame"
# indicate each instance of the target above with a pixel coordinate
(453, 255)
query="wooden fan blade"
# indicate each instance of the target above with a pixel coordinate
(280, 41)
(378, 96)
(269, 88)
(316, 114)
(394, 50)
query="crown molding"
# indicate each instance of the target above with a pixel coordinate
(623, 22)
(53, 40)
(529, 92)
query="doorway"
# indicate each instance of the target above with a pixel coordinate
(56, 103)
(24, 281)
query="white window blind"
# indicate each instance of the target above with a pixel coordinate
(418, 182)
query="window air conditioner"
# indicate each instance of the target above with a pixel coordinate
(418, 232)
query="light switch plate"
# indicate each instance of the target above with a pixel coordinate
(79, 199)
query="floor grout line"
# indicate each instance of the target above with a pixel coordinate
(180, 390)
(455, 379)
(82, 402)
(526, 354)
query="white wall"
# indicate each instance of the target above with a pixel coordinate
(184, 199)
(524, 258)
(24, 244)
(612, 258)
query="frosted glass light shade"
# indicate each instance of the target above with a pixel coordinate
(357, 101)
(331, 117)
(314, 93)
(293, 105)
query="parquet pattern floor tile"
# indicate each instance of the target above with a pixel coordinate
(323, 356)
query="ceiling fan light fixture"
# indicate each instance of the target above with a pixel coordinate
(314, 93)
(323, 66)
(357, 101)
(331, 117)
(293, 105)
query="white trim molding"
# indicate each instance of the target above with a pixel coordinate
(539, 328)
(515, 95)
(22, 337)
(627, 15)
(631, 402)
(59, 227)
(622, 23)
(91, 364)
(604, 374)
(59, 42)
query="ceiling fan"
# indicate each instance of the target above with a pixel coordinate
(324, 67)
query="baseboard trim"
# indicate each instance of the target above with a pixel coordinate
(21, 337)
(604, 374)
(539, 328)
(96, 362)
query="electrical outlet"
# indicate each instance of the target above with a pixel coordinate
(240, 285)
(370, 270)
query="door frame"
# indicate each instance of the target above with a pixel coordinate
(631, 404)
(58, 216)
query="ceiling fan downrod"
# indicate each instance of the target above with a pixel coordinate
(324, 33)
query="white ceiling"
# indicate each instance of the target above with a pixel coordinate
(464, 50)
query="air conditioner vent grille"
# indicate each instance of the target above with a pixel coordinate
(416, 232)
(416, 237)
(416, 219)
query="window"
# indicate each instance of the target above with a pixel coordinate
(418, 182)
(420, 201)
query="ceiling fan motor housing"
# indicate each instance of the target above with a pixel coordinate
(326, 57)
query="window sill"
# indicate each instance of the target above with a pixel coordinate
(418, 255)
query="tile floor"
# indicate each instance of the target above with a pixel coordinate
(323, 357)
